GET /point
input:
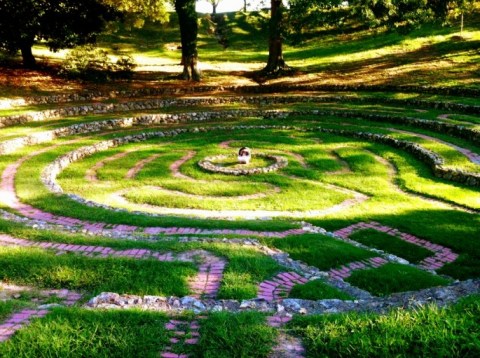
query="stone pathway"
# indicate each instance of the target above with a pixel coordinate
(184, 333)
(287, 345)
(280, 286)
(442, 255)
(22, 318)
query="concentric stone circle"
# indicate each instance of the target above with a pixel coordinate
(269, 293)
(209, 165)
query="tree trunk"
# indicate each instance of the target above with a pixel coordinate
(214, 9)
(27, 56)
(276, 63)
(244, 5)
(187, 18)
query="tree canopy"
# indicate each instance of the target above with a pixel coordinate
(60, 23)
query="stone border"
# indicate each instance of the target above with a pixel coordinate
(100, 108)
(186, 117)
(440, 296)
(433, 160)
(209, 165)
(252, 89)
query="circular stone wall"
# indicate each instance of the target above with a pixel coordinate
(209, 164)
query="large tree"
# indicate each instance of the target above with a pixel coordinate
(60, 23)
(276, 63)
(157, 10)
(188, 20)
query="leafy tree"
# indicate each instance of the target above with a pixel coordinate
(404, 13)
(308, 14)
(136, 11)
(60, 23)
(157, 10)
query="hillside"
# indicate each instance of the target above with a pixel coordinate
(433, 55)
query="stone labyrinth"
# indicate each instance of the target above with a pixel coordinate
(328, 171)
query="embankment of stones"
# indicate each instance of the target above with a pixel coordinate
(441, 296)
(102, 108)
(253, 89)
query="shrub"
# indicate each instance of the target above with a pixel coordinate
(93, 64)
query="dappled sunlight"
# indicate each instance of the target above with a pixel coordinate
(131, 223)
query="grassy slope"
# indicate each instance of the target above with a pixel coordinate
(431, 56)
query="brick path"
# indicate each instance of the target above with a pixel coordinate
(441, 255)
(279, 286)
(206, 283)
(184, 333)
(22, 318)
(346, 270)
(287, 346)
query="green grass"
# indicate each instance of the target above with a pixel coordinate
(81, 333)
(235, 335)
(142, 277)
(400, 192)
(392, 278)
(426, 332)
(10, 306)
(320, 251)
(391, 244)
(244, 272)
(317, 290)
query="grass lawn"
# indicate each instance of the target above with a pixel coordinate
(428, 331)
(408, 87)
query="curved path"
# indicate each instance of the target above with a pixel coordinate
(91, 174)
(393, 174)
(207, 283)
(472, 156)
(8, 197)
(133, 172)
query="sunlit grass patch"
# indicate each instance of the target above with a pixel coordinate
(392, 278)
(236, 335)
(428, 331)
(78, 332)
(391, 244)
(320, 251)
(94, 275)
(317, 290)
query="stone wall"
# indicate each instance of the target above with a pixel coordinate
(265, 89)
(433, 160)
(102, 108)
